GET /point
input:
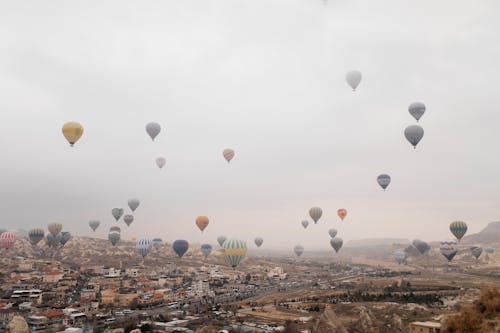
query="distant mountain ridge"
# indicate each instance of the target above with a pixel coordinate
(376, 242)
(490, 234)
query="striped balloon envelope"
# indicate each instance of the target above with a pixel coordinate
(7, 240)
(144, 246)
(458, 229)
(234, 251)
(449, 249)
(36, 235)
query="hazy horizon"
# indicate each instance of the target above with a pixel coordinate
(266, 78)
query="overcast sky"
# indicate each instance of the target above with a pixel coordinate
(267, 78)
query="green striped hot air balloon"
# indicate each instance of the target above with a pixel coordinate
(234, 251)
(458, 229)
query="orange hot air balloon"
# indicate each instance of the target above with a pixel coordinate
(202, 222)
(342, 213)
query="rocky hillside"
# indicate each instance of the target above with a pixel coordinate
(489, 235)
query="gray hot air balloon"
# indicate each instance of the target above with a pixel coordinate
(55, 228)
(332, 232)
(315, 213)
(65, 237)
(128, 219)
(160, 162)
(417, 110)
(400, 256)
(298, 249)
(258, 241)
(221, 240)
(133, 204)
(353, 79)
(384, 180)
(114, 237)
(336, 243)
(476, 251)
(305, 223)
(153, 129)
(206, 249)
(414, 133)
(94, 224)
(53, 240)
(421, 246)
(448, 249)
(489, 250)
(117, 213)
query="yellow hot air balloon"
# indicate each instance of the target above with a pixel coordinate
(202, 222)
(72, 131)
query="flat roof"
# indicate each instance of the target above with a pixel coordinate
(429, 324)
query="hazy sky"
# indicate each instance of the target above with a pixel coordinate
(265, 77)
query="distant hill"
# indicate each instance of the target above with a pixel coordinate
(490, 234)
(376, 242)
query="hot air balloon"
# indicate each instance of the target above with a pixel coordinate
(115, 229)
(206, 249)
(153, 129)
(221, 240)
(117, 213)
(202, 222)
(65, 237)
(234, 251)
(448, 249)
(55, 228)
(414, 133)
(7, 239)
(342, 213)
(400, 256)
(417, 110)
(384, 180)
(228, 154)
(298, 249)
(94, 224)
(114, 237)
(305, 223)
(336, 243)
(458, 229)
(489, 250)
(353, 79)
(144, 246)
(133, 204)
(180, 247)
(53, 240)
(332, 232)
(157, 241)
(36, 235)
(315, 214)
(72, 131)
(421, 246)
(128, 219)
(476, 251)
(258, 241)
(160, 162)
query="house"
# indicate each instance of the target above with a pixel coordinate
(37, 323)
(52, 276)
(425, 327)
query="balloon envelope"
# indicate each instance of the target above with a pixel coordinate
(133, 204)
(206, 249)
(55, 228)
(160, 162)
(115, 229)
(180, 247)
(221, 240)
(128, 219)
(258, 241)
(332, 232)
(114, 237)
(448, 249)
(65, 237)
(117, 213)
(72, 131)
(417, 110)
(53, 240)
(298, 249)
(7, 239)
(94, 224)
(458, 229)
(315, 213)
(202, 222)
(228, 154)
(305, 223)
(476, 251)
(421, 246)
(336, 243)
(353, 78)
(342, 213)
(384, 180)
(400, 256)
(489, 250)
(36, 235)
(153, 129)
(144, 246)
(414, 134)
(234, 251)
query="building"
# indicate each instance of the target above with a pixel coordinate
(53, 277)
(425, 327)
(37, 323)
(31, 295)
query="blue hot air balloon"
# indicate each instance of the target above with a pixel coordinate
(206, 249)
(421, 246)
(384, 180)
(180, 247)
(234, 251)
(448, 249)
(144, 246)
(65, 237)
(36, 235)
